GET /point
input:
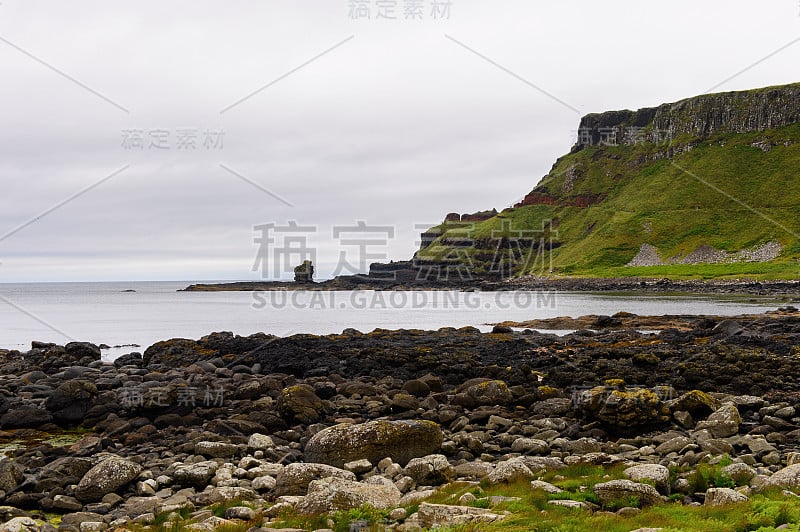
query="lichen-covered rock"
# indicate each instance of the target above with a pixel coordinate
(490, 393)
(11, 474)
(332, 494)
(106, 477)
(723, 423)
(399, 440)
(431, 515)
(509, 471)
(656, 473)
(431, 470)
(623, 408)
(216, 449)
(196, 475)
(788, 477)
(295, 478)
(723, 496)
(300, 404)
(616, 490)
(697, 403)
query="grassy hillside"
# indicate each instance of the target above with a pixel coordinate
(731, 191)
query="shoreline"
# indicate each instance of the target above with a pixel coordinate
(191, 426)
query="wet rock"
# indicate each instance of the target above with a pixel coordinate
(399, 440)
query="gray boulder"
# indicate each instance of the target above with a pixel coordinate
(431, 470)
(106, 477)
(294, 479)
(615, 490)
(399, 440)
(723, 496)
(332, 494)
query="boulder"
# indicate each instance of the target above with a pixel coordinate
(399, 440)
(656, 473)
(20, 524)
(788, 477)
(299, 404)
(11, 475)
(697, 403)
(106, 477)
(490, 393)
(530, 446)
(70, 401)
(333, 494)
(509, 471)
(723, 496)
(623, 408)
(432, 515)
(25, 415)
(614, 490)
(431, 470)
(196, 475)
(723, 423)
(216, 449)
(295, 478)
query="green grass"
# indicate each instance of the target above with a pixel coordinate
(731, 196)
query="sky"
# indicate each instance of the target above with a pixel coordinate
(199, 140)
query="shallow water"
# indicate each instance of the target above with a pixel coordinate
(106, 313)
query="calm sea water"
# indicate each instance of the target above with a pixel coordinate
(143, 313)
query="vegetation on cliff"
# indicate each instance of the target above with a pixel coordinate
(707, 185)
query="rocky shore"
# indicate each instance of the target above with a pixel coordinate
(405, 430)
(786, 290)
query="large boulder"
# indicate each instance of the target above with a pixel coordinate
(723, 423)
(623, 408)
(25, 415)
(332, 494)
(616, 490)
(510, 471)
(435, 515)
(300, 404)
(106, 477)
(788, 477)
(294, 479)
(375, 440)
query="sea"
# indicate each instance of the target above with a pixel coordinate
(130, 316)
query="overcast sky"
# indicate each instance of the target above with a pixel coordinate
(153, 136)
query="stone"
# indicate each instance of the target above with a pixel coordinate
(295, 478)
(431, 470)
(530, 446)
(489, 393)
(20, 524)
(509, 471)
(723, 496)
(71, 400)
(545, 486)
(359, 466)
(723, 423)
(300, 404)
(333, 494)
(614, 490)
(656, 473)
(106, 477)
(260, 442)
(240, 512)
(695, 402)
(473, 470)
(216, 449)
(11, 475)
(65, 502)
(374, 440)
(623, 408)
(673, 445)
(788, 477)
(197, 475)
(739, 472)
(265, 483)
(431, 515)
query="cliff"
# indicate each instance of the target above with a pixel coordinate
(706, 186)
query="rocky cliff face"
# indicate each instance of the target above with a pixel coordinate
(699, 116)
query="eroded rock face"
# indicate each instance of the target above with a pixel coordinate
(399, 440)
(106, 477)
